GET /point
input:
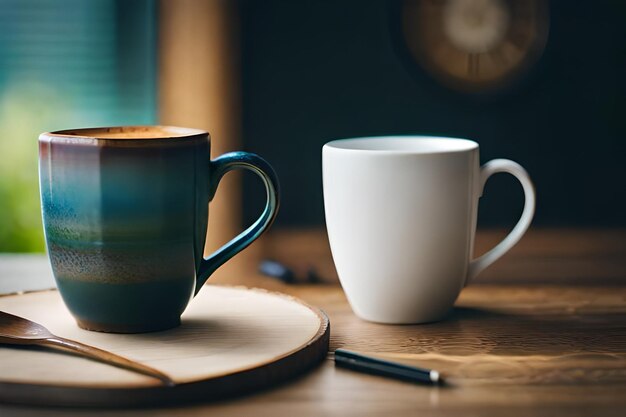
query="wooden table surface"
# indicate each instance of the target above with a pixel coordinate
(540, 347)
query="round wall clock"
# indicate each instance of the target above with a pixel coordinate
(475, 45)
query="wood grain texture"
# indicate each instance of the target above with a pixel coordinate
(231, 339)
(542, 334)
(517, 350)
(16, 330)
(567, 256)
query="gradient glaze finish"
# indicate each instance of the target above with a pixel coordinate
(125, 213)
(125, 226)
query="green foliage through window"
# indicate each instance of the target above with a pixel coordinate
(65, 64)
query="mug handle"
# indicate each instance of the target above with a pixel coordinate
(220, 166)
(492, 167)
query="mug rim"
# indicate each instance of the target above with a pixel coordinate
(96, 135)
(451, 145)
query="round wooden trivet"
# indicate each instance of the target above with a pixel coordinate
(232, 340)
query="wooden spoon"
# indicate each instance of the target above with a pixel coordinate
(20, 331)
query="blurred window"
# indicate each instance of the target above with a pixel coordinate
(65, 64)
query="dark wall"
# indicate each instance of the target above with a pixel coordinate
(320, 70)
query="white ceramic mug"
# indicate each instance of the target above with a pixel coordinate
(401, 217)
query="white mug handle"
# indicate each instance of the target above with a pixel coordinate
(492, 167)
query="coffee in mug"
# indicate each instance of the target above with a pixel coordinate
(125, 212)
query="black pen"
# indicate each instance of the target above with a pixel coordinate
(362, 363)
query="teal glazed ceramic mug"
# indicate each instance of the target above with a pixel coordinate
(125, 212)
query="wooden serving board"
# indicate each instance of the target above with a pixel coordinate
(232, 340)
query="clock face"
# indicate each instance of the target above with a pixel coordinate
(475, 45)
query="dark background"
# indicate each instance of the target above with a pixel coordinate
(314, 71)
